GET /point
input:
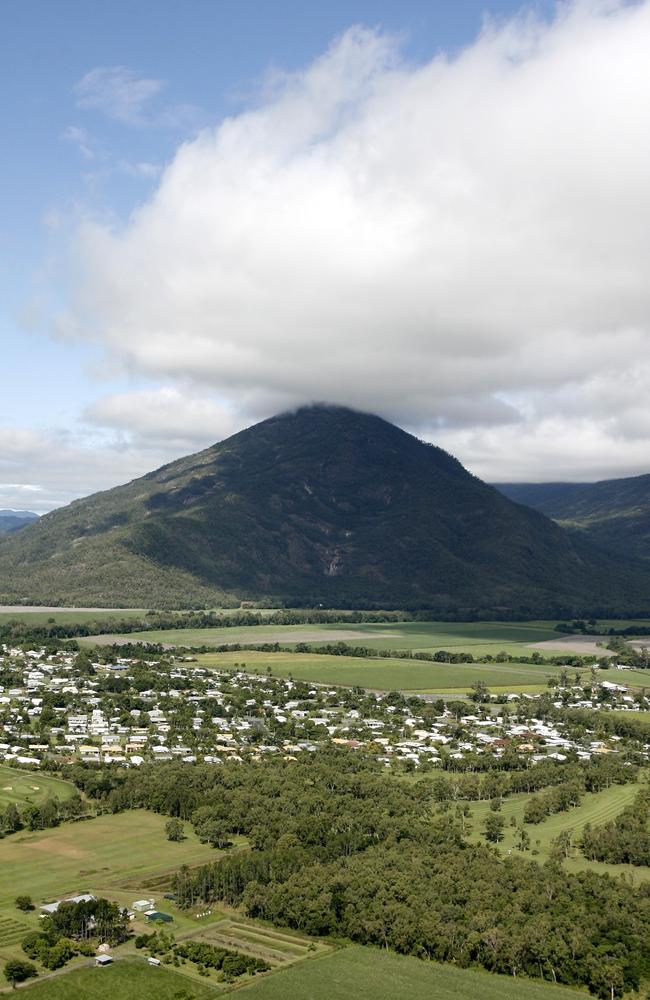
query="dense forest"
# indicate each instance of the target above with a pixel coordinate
(339, 847)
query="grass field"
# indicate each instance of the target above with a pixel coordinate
(595, 808)
(125, 980)
(628, 678)
(474, 637)
(353, 973)
(28, 787)
(126, 851)
(367, 974)
(384, 674)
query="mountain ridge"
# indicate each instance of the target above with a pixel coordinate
(14, 520)
(612, 513)
(319, 505)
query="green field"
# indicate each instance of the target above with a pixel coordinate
(353, 973)
(384, 674)
(125, 980)
(627, 678)
(479, 638)
(92, 856)
(596, 808)
(28, 787)
(368, 974)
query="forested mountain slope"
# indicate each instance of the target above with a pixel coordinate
(323, 504)
(614, 513)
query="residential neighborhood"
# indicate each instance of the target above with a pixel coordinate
(62, 708)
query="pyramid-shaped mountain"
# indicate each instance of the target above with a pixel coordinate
(321, 505)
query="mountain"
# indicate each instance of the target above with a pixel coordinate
(323, 504)
(614, 513)
(13, 520)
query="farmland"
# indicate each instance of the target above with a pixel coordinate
(353, 973)
(126, 980)
(369, 974)
(26, 787)
(478, 638)
(126, 849)
(280, 949)
(596, 808)
(384, 674)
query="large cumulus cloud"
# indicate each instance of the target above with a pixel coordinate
(462, 246)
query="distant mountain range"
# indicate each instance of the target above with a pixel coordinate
(321, 505)
(614, 513)
(13, 520)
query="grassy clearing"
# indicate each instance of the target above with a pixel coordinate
(595, 808)
(98, 855)
(29, 787)
(367, 974)
(637, 716)
(382, 674)
(125, 980)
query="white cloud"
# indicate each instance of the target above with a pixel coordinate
(462, 246)
(40, 470)
(117, 92)
(168, 416)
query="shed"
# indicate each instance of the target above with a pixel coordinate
(143, 904)
(155, 915)
(102, 960)
(153, 961)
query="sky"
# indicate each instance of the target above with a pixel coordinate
(212, 211)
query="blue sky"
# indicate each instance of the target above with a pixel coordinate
(98, 101)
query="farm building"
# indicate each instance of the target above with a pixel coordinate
(143, 904)
(154, 916)
(48, 908)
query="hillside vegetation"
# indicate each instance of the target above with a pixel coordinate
(323, 505)
(615, 513)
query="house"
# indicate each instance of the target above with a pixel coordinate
(85, 897)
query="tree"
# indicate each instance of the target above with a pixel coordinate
(11, 819)
(493, 831)
(562, 844)
(479, 692)
(523, 839)
(175, 830)
(24, 903)
(17, 971)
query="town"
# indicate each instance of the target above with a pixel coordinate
(61, 708)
